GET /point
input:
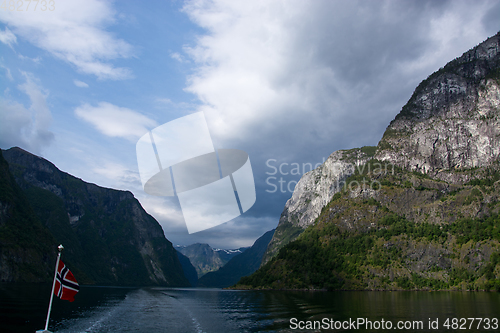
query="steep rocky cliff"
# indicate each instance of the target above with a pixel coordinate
(452, 120)
(108, 237)
(450, 123)
(428, 216)
(313, 191)
(408, 232)
(27, 251)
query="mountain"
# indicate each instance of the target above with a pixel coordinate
(313, 191)
(227, 255)
(206, 259)
(451, 120)
(188, 269)
(27, 251)
(422, 212)
(108, 237)
(240, 265)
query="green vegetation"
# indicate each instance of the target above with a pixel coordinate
(287, 232)
(109, 239)
(494, 75)
(401, 229)
(355, 154)
(369, 243)
(489, 177)
(475, 196)
(476, 230)
(329, 258)
(24, 260)
(369, 150)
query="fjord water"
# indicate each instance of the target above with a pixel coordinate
(105, 309)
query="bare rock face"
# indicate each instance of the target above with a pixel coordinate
(203, 258)
(452, 119)
(313, 191)
(451, 122)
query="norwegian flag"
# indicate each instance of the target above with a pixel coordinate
(66, 285)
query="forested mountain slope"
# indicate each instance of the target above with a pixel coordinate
(108, 237)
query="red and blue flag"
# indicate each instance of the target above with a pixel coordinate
(66, 285)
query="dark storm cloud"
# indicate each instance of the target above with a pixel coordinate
(295, 81)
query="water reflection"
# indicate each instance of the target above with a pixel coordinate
(23, 309)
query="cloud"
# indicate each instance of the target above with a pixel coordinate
(74, 32)
(458, 27)
(168, 104)
(306, 74)
(242, 231)
(7, 37)
(167, 212)
(35, 60)
(177, 56)
(80, 84)
(26, 127)
(7, 72)
(296, 80)
(115, 121)
(116, 175)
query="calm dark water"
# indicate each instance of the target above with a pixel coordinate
(105, 309)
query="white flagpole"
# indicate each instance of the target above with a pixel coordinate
(60, 248)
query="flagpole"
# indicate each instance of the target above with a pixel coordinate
(60, 248)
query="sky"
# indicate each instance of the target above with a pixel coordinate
(288, 82)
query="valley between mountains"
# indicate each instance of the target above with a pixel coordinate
(419, 210)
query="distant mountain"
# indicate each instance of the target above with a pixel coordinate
(206, 259)
(227, 255)
(422, 211)
(108, 237)
(188, 268)
(241, 265)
